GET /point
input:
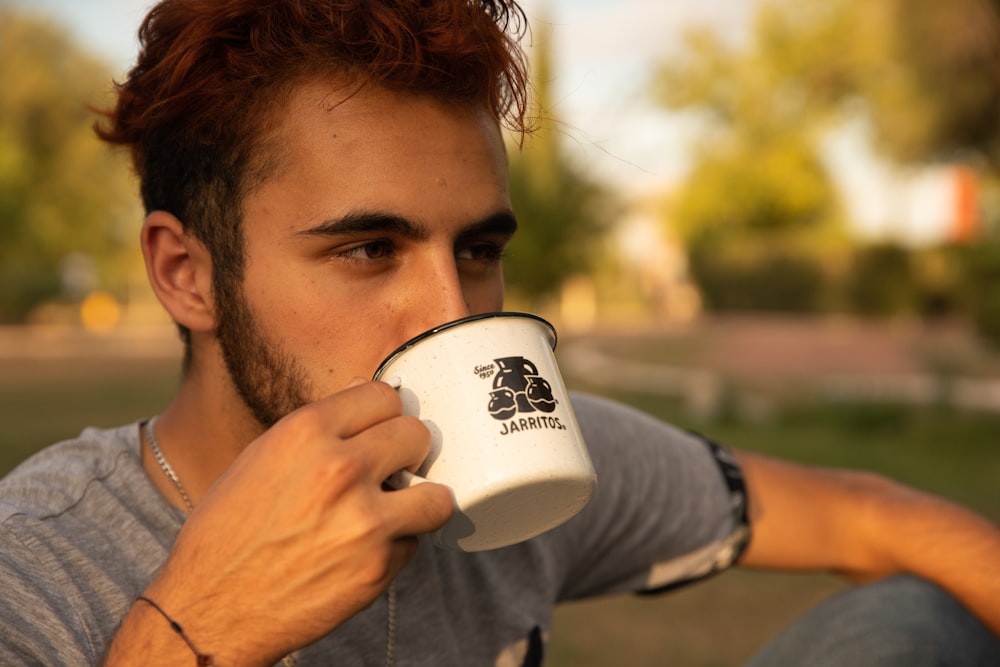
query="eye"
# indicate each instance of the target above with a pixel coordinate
(368, 251)
(482, 251)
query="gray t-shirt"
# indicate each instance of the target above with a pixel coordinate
(83, 532)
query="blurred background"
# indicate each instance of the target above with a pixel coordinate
(777, 222)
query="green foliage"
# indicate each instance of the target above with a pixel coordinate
(888, 279)
(882, 281)
(757, 209)
(938, 274)
(61, 191)
(982, 289)
(933, 86)
(783, 82)
(926, 73)
(562, 217)
(757, 227)
(752, 276)
(738, 188)
(562, 214)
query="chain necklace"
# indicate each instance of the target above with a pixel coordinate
(161, 460)
(288, 660)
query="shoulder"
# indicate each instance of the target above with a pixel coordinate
(622, 430)
(78, 539)
(669, 508)
(636, 454)
(58, 478)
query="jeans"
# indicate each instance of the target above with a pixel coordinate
(901, 621)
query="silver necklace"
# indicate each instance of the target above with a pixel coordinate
(288, 660)
(164, 465)
(390, 626)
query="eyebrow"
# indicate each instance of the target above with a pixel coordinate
(503, 223)
(366, 222)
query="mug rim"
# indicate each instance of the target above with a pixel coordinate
(457, 323)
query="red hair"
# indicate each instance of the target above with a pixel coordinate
(209, 70)
(211, 75)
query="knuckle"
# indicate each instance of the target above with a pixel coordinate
(342, 472)
(306, 423)
(297, 430)
(369, 533)
(378, 567)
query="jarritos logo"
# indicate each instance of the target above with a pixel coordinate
(521, 398)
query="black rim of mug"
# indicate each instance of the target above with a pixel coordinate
(457, 323)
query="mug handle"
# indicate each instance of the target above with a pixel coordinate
(402, 479)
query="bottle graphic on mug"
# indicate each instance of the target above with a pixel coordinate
(517, 387)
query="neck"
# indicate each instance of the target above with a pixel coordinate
(201, 433)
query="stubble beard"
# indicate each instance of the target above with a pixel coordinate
(269, 380)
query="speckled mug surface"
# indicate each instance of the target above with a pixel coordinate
(504, 438)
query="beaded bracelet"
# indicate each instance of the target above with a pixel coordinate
(204, 660)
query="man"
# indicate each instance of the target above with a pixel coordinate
(323, 181)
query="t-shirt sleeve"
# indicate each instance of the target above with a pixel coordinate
(670, 506)
(40, 627)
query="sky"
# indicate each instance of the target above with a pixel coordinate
(604, 52)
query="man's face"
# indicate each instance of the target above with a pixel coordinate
(387, 215)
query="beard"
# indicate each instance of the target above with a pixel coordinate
(269, 380)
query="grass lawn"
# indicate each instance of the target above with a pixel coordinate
(44, 401)
(717, 623)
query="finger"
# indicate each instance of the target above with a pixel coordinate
(392, 445)
(359, 407)
(422, 508)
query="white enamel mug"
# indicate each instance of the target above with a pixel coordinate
(504, 438)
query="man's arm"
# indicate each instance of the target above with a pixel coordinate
(866, 527)
(295, 538)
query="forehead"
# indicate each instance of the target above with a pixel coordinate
(336, 146)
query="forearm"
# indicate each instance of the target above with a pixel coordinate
(959, 550)
(866, 527)
(146, 639)
(151, 635)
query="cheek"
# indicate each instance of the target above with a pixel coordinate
(335, 346)
(485, 296)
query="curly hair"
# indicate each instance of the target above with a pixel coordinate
(211, 75)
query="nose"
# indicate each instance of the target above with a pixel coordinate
(436, 296)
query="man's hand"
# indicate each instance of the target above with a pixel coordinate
(295, 538)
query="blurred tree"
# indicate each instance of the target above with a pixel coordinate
(769, 187)
(67, 206)
(932, 82)
(981, 288)
(925, 73)
(563, 214)
(757, 209)
(882, 281)
(931, 87)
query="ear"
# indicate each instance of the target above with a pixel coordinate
(179, 270)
